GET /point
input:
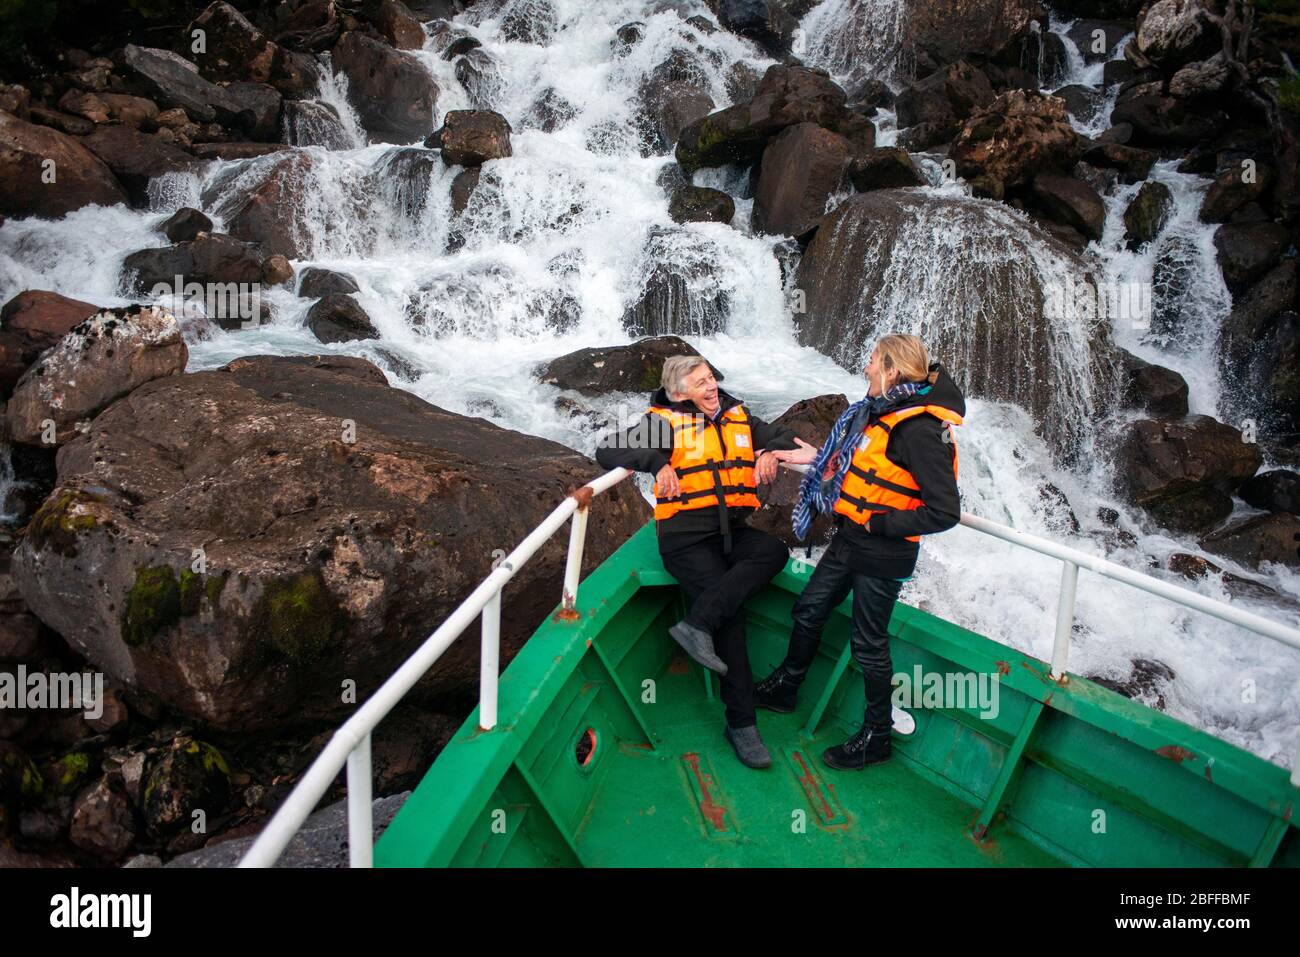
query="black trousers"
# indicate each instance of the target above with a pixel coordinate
(873, 603)
(718, 586)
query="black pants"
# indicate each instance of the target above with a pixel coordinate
(718, 586)
(873, 603)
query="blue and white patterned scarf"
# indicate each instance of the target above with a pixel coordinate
(822, 482)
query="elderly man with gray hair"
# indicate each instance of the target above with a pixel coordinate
(708, 454)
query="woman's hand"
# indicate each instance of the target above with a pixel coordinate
(666, 484)
(765, 467)
(803, 455)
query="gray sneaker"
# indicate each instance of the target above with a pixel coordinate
(699, 645)
(749, 746)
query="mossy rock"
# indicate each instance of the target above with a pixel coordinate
(297, 617)
(69, 773)
(56, 526)
(20, 779)
(152, 605)
(159, 600)
(191, 776)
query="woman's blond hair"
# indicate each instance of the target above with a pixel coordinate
(905, 355)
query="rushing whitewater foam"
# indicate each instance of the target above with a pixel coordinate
(854, 40)
(556, 245)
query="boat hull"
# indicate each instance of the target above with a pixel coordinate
(609, 753)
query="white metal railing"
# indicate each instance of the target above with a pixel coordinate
(350, 744)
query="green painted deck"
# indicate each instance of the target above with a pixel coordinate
(1059, 775)
(796, 813)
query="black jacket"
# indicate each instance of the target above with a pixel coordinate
(647, 446)
(919, 445)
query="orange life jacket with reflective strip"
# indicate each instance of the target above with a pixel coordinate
(874, 483)
(710, 461)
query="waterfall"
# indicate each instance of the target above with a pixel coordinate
(561, 241)
(855, 39)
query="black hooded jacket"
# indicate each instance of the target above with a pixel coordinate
(920, 445)
(648, 446)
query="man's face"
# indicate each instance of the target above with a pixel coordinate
(701, 388)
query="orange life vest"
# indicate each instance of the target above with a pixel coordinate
(874, 483)
(710, 460)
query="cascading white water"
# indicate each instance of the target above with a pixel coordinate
(854, 39)
(556, 244)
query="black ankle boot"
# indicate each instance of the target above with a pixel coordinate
(778, 691)
(867, 747)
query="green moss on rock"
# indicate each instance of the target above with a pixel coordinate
(191, 592)
(56, 526)
(71, 772)
(152, 605)
(214, 586)
(297, 617)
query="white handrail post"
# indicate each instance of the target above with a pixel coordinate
(1295, 767)
(573, 566)
(490, 662)
(1064, 619)
(361, 828)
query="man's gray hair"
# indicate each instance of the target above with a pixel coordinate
(676, 369)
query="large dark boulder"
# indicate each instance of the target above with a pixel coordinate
(47, 173)
(1132, 162)
(400, 26)
(886, 167)
(769, 23)
(210, 258)
(1070, 201)
(737, 134)
(1165, 120)
(1253, 314)
(94, 365)
(317, 283)
(30, 323)
(257, 107)
(268, 204)
(174, 81)
(1152, 388)
(311, 27)
(234, 49)
(135, 158)
(1263, 538)
(943, 31)
(185, 224)
(1234, 188)
(1171, 33)
(1275, 491)
(1183, 471)
(995, 318)
(1246, 251)
(338, 317)
(1017, 137)
(1147, 214)
(241, 567)
(471, 137)
(700, 204)
(801, 168)
(392, 92)
(637, 367)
